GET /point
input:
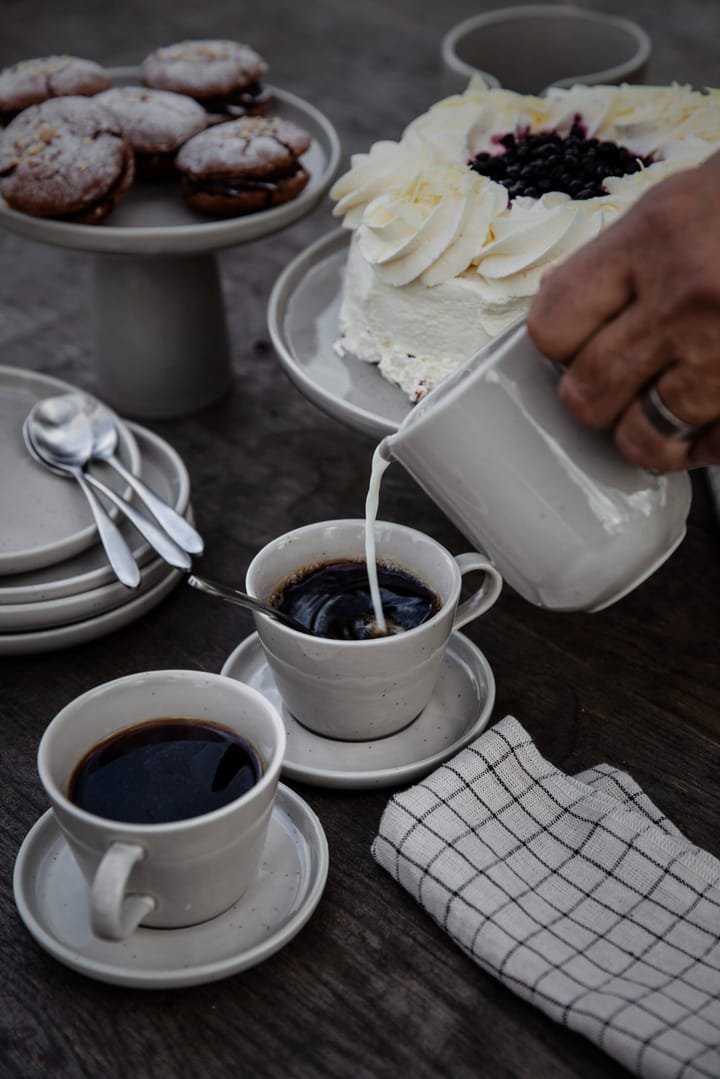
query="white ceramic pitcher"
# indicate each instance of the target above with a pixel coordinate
(570, 524)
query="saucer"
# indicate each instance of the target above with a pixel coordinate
(458, 711)
(90, 629)
(52, 898)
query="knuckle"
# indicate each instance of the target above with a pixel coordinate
(582, 406)
(698, 288)
(542, 320)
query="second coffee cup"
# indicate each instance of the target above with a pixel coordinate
(356, 690)
(155, 868)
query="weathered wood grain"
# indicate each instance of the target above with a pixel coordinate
(371, 988)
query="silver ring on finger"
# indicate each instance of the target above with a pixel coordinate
(665, 422)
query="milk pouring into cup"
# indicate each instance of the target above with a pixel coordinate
(569, 523)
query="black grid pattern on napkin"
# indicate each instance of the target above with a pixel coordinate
(576, 892)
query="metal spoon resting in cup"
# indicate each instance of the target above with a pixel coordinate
(242, 599)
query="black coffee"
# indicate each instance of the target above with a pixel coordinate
(164, 770)
(333, 600)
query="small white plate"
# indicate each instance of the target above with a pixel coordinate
(52, 898)
(52, 640)
(47, 614)
(43, 518)
(164, 471)
(303, 322)
(459, 710)
(153, 219)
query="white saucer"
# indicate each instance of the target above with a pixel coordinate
(49, 614)
(164, 471)
(52, 898)
(153, 219)
(43, 518)
(459, 710)
(303, 322)
(89, 629)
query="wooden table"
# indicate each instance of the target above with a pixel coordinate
(371, 987)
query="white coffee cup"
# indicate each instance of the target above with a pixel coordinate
(179, 873)
(360, 690)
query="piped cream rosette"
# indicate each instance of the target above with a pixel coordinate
(423, 220)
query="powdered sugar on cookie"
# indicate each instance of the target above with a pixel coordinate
(155, 121)
(203, 68)
(252, 145)
(61, 157)
(33, 81)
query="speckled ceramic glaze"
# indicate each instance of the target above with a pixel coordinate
(182, 872)
(358, 690)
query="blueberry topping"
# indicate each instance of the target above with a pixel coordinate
(533, 164)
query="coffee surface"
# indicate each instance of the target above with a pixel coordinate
(164, 770)
(334, 600)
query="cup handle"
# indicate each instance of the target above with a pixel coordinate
(483, 599)
(113, 914)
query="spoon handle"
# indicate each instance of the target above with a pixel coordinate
(176, 526)
(233, 595)
(119, 554)
(159, 540)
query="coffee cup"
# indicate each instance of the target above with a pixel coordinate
(531, 47)
(357, 690)
(176, 872)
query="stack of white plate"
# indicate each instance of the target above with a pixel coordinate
(56, 587)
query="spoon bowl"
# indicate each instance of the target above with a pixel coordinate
(61, 436)
(76, 409)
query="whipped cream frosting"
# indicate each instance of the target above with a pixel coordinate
(423, 220)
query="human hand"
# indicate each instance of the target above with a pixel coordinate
(641, 303)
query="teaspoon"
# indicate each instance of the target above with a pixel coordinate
(103, 427)
(234, 595)
(62, 439)
(118, 553)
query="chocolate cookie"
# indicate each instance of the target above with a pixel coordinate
(156, 123)
(67, 159)
(243, 166)
(32, 81)
(224, 76)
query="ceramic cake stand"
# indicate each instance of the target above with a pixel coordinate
(160, 329)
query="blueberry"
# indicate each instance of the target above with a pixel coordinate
(532, 164)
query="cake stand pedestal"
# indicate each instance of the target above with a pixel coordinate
(161, 339)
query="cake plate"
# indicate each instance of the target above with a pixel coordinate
(304, 326)
(161, 334)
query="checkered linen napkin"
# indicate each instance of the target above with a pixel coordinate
(575, 891)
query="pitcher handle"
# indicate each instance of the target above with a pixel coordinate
(113, 914)
(490, 589)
